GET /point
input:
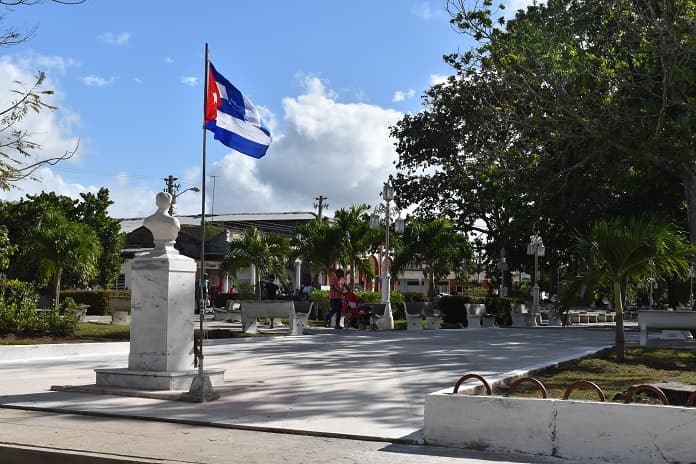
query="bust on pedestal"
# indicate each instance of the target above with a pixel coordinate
(162, 311)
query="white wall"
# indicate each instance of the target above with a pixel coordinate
(583, 430)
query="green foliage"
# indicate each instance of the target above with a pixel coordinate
(415, 297)
(453, 310)
(319, 244)
(623, 252)
(98, 300)
(6, 248)
(23, 219)
(18, 314)
(437, 245)
(502, 310)
(357, 239)
(574, 111)
(320, 298)
(267, 252)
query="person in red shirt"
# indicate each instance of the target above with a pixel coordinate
(337, 288)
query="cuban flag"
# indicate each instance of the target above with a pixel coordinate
(233, 118)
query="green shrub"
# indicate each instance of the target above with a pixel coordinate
(502, 309)
(453, 310)
(320, 298)
(414, 297)
(98, 300)
(18, 314)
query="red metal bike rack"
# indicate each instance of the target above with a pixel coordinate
(466, 377)
(692, 398)
(638, 388)
(585, 383)
(540, 386)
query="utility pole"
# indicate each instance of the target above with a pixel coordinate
(321, 204)
(172, 188)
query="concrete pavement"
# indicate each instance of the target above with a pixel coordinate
(339, 396)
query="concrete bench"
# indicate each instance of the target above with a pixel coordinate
(415, 311)
(270, 309)
(230, 313)
(657, 319)
(302, 310)
(477, 316)
(377, 313)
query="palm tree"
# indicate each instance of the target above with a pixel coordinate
(268, 253)
(435, 244)
(619, 252)
(358, 238)
(318, 243)
(64, 245)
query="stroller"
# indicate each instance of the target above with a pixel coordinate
(355, 315)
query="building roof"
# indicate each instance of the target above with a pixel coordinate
(269, 222)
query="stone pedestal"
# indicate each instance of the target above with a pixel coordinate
(162, 315)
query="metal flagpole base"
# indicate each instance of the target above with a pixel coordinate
(201, 390)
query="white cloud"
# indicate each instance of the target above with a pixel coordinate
(400, 95)
(110, 38)
(189, 80)
(137, 80)
(168, 60)
(96, 81)
(340, 150)
(437, 79)
(425, 12)
(53, 130)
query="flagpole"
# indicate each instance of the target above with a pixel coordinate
(201, 388)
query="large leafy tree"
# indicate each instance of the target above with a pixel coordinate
(91, 211)
(64, 245)
(619, 253)
(268, 253)
(575, 110)
(437, 246)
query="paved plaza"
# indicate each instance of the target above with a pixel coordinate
(343, 396)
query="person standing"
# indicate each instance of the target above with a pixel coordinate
(337, 288)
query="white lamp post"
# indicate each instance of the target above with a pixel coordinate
(536, 248)
(692, 274)
(375, 222)
(172, 205)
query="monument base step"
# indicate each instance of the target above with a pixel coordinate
(154, 380)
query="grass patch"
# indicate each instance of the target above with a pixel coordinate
(642, 366)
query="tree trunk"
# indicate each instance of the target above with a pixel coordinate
(689, 179)
(620, 338)
(56, 288)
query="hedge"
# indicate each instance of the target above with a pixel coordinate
(98, 300)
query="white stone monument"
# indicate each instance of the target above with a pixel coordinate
(162, 314)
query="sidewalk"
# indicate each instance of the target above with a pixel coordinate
(357, 391)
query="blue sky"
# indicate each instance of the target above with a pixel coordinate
(329, 77)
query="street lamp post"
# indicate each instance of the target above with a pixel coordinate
(536, 248)
(172, 205)
(375, 220)
(502, 267)
(692, 273)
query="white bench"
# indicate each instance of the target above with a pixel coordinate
(300, 317)
(270, 309)
(377, 313)
(658, 319)
(476, 315)
(230, 313)
(414, 310)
